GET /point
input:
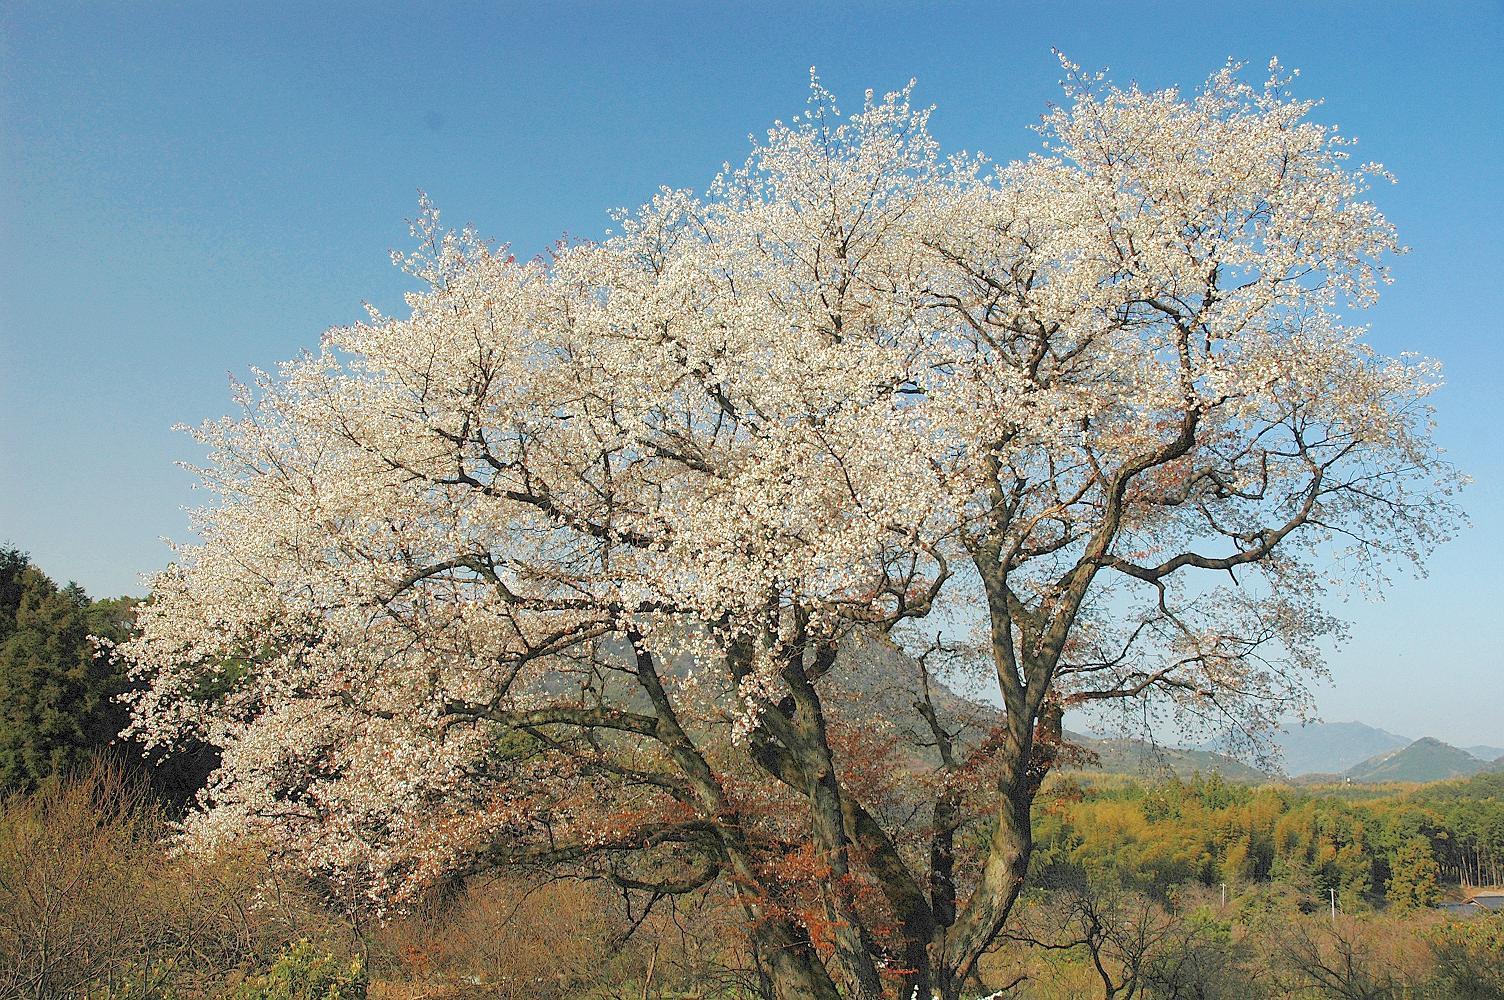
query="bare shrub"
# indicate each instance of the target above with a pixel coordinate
(511, 938)
(1351, 959)
(93, 904)
(506, 937)
(78, 869)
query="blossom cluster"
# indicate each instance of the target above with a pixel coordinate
(853, 382)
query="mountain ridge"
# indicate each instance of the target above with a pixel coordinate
(1426, 759)
(1333, 747)
(1128, 755)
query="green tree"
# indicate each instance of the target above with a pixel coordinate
(13, 562)
(1413, 875)
(57, 693)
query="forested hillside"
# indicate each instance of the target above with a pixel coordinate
(1427, 759)
(1295, 843)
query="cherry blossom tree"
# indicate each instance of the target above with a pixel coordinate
(658, 560)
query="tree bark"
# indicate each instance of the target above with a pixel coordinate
(793, 969)
(1002, 877)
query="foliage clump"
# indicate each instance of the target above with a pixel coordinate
(1412, 883)
(57, 687)
(1470, 957)
(303, 972)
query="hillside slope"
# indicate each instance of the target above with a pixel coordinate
(1333, 747)
(1138, 757)
(1427, 759)
(879, 682)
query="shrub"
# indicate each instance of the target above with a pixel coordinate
(1470, 957)
(78, 864)
(93, 905)
(303, 972)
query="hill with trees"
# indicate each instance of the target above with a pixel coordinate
(1427, 759)
(1128, 756)
(1332, 747)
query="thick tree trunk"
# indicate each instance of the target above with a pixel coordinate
(787, 960)
(978, 925)
(959, 948)
(853, 958)
(916, 922)
(793, 969)
(792, 745)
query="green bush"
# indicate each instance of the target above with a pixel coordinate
(304, 973)
(1469, 956)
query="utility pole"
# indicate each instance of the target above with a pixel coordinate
(1334, 906)
(1224, 895)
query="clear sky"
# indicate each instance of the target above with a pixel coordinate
(188, 190)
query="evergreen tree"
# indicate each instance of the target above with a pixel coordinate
(12, 563)
(1413, 877)
(57, 704)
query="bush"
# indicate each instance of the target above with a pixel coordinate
(305, 973)
(78, 865)
(524, 941)
(93, 905)
(1470, 957)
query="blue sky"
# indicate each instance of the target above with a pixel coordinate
(188, 190)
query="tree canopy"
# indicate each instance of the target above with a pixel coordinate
(629, 560)
(57, 690)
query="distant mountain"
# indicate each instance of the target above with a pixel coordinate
(876, 680)
(1333, 747)
(1129, 756)
(1426, 759)
(1486, 752)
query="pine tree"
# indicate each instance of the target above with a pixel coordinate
(12, 563)
(57, 702)
(1413, 877)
